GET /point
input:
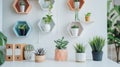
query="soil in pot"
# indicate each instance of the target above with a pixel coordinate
(97, 56)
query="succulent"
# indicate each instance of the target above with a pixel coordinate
(47, 19)
(76, 0)
(88, 14)
(21, 2)
(61, 43)
(97, 44)
(29, 48)
(75, 26)
(79, 48)
(22, 26)
(40, 52)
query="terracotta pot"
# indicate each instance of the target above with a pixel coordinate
(39, 58)
(61, 55)
(87, 18)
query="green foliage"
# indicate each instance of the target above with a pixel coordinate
(88, 14)
(21, 2)
(61, 43)
(79, 48)
(22, 26)
(76, 0)
(75, 26)
(29, 48)
(2, 58)
(50, 6)
(47, 19)
(117, 8)
(40, 52)
(97, 44)
(3, 39)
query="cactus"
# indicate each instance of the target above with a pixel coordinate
(29, 47)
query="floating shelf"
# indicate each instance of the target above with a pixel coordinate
(44, 5)
(17, 7)
(75, 23)
(16, 30)
(41, 25)
(71, 4)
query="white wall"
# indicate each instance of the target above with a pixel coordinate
(0, 15)
(62, 17)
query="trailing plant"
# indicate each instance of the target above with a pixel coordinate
(40, 52)
(47, 19)
(61, 43)
(97, 44)
(75, 26)
(29, 48)
(88, 14)
(79, 48)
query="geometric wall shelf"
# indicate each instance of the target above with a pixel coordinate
(44, 4)
(71, 4)
(18, 26)
(77, 24)
(41, 25)
(16, 6)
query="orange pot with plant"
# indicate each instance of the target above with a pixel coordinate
(87, 17)
(61, 53)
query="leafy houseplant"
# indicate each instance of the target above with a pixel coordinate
(97, 43)
(75, 30)
(3, 41)
(22, 29)
(87, 17)
(22, 5)
(61, 52)
(28, 53)
(80, 52)
(40, 55)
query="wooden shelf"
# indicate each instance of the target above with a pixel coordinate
(71, 4)
(17, 7)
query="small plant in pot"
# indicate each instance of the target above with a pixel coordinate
(28, 53)
(47, 3)
(22, 5)
(97, 43)
(80, 53)
(47, 20)
(61, 53)
(22, 29)
(75, 30)
(40, 55)
(76, 4)
(87, 17)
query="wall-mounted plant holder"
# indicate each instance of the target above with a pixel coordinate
(44, 4)
(22, 7)
(41, 25)
(75, 29)
(71, 4)
(22, 28)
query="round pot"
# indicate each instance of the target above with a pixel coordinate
(97, 56)
(22, 8)
(77, 5)
(46, 4)
(74, 31)
(47, 28)
(29, 55)
(2, 55)
(39, 58)
(80, 57)
(61, 54)
(87, 18)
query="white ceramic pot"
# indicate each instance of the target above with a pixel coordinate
(74, 31)
(47, 3)
(80, 57)
(47, 28)
(22, 8)
(77, 4)
(29, 55)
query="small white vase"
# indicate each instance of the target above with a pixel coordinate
(80, 57)
(75, 31)
(76, 5)
(47, 28)
(29, 55)
(46, 4)
(22, 8)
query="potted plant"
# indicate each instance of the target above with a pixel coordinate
(76, 4)
(97, 44)
(87, 17)
(22, 5)
(22, 29)
(60, 51)
(47, 20)
(28, 52)
(40, 55)
(47, 3)
(3, 41)
(80, 53)
(75, 30)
